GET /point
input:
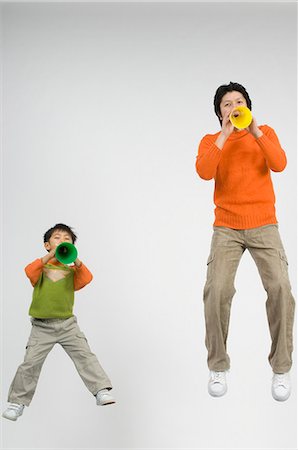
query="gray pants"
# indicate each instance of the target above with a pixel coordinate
(265, 246)
(44, 335)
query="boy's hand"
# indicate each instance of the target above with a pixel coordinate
(78, 263)
(48, 256)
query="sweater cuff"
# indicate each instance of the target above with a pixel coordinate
(38, 264)
(263, 140)
(214, 152)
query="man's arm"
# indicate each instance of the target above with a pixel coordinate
(272, 150)
(210, 151)
(208, 158)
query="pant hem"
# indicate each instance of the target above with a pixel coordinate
(19, 402)
(281, 370)
(102, 386)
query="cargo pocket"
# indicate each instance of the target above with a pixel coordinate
(31, 343)
(284, 263)
(210, 265)
(81, 335)
(210, 258)
(30, 349)
(82, 345)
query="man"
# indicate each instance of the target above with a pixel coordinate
(240, 162)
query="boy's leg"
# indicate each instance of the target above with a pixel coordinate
(76, 346)
(226, 251)
(272, 264)
(25, 381)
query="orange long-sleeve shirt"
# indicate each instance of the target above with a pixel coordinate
(243, 193)
(82, 275)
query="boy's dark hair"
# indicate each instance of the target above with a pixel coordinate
(222, 90)
(62, 227)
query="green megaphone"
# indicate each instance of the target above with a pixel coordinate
(66, 253)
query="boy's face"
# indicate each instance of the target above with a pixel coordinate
(57, 238)
(230, 101)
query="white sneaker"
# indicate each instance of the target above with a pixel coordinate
(104, 398)
(281, 386)
(13, 411)
(217, 385)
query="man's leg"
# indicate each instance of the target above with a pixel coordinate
(272, 264)
(226, 250)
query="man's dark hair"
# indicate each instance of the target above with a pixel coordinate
(62, 227)
(222, 90)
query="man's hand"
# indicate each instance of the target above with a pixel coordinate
(254, 129)
(227, 129)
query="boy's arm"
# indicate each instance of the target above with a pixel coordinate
(208, 158)
(82, 275)
(34, 270)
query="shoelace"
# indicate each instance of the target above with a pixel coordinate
(280, 380)
(15, 407)
(102, 392)
(218, 377)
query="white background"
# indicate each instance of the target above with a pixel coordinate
(103, 109)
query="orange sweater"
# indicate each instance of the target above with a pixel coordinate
(243, 194)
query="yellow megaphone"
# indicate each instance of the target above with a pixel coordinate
(241, 117)
(66, 253)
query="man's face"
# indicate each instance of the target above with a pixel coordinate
(57, 238)
(230, 101)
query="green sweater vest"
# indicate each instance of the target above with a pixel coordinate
(53, 299)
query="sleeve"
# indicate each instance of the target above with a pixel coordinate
(208, 158)
(82, 276)
(34, 270)
(273, 153)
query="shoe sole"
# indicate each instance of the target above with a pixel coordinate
(10, 418)
(105, 404)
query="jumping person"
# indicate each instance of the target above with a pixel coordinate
(53, 322)
(240, 162)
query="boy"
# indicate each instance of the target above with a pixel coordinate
(53, 322)
(240, 162)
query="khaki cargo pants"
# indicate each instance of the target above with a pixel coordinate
(265, 246)
(44, 335)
